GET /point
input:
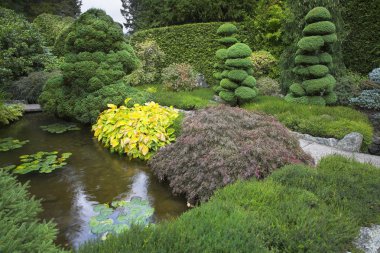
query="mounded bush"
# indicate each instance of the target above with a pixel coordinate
(220, 145)
(239, 50)
(21, 230)
(96, 56)
(368, 99)
(268, 87)
(314, 62)
(227, 29)
(179, 77)
(374, 76)
(264, 64)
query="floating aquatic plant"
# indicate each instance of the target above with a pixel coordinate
(119, 216)
(42, 162)
(58, 128)
(7, 144)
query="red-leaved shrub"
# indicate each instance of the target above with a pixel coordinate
(220, 145)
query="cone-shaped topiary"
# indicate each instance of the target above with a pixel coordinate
(234, 69)
(314, 62)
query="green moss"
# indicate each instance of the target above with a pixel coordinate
(316, 100)
(250, 81)
(318, 14)
(296, 99)
(239, 63)
(237, 75)
(297, 90)
(239, 50)
(311, 43)
(227, 29)
(319, 28)
(228, 84)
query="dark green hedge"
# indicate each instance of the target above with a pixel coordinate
(362, 47)
(192, 43)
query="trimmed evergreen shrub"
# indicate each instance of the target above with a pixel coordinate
(348, 86)
(368, 99)
(218, 146)
(179, 77)
(21, 230)
(317, 85)
(264, 64)
(268, 86)
(374, 76)
(97, 58)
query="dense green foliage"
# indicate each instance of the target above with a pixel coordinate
(179, 77)
(348, 86)
(21, 47)
(297, 209)
(9, 113)
(21, 230)
(267, 86)
(368, 99)
(139, 131)
(145, 14)
(335, 122)
(50, 26)
(314, 61)
(97, 58)
(294, 26)
(361, 48)
(29, 87)
(32, 8)
(218, 146)
(264, 64)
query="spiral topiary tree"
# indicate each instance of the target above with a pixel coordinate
(227, 32)
(314, 61)
(235, 69)
(97, 58)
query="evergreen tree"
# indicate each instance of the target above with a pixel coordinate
(314, 61)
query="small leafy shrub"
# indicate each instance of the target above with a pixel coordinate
(374, 76)
(314, 62)
(320, 121)
(41, 162)
(30, 87)
(347, 87)
(58, 128)
(21, 230)
(138, 131)
(264, 64)
(7, 144)
(220, 145)
(152, 58)
(268, 86)
(120, 216)
(9, 113)
(179, 77)
(368, 99)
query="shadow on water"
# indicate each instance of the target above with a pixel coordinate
(92, 176)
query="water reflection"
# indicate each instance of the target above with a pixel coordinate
(93, 176)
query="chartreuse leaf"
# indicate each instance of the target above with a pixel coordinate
(7, 144)
(42, 162)
(120, 216)
(58, 128)
(138, 131)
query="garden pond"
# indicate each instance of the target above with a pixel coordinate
(91, 177)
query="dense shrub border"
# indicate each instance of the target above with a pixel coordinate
(21, 230)
(331, 122)
(297, 209)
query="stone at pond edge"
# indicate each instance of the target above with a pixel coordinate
(351, 142)
(369, 239)
(201, 81)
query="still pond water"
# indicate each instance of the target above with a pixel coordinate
(92, 176)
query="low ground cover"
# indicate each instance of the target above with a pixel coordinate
(296, 209)
(321, 121)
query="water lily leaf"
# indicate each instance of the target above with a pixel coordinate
(58, 128)
(7, 144)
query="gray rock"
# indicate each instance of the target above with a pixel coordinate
(331, 142)
(376, 140)
(351, 142)
(218, 99)
(201, 81)
(369, 239)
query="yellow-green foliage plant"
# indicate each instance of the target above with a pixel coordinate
(138, 131)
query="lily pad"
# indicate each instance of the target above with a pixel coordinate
(7, 144)
(123, 214)
(58, 128)
(42, 162)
